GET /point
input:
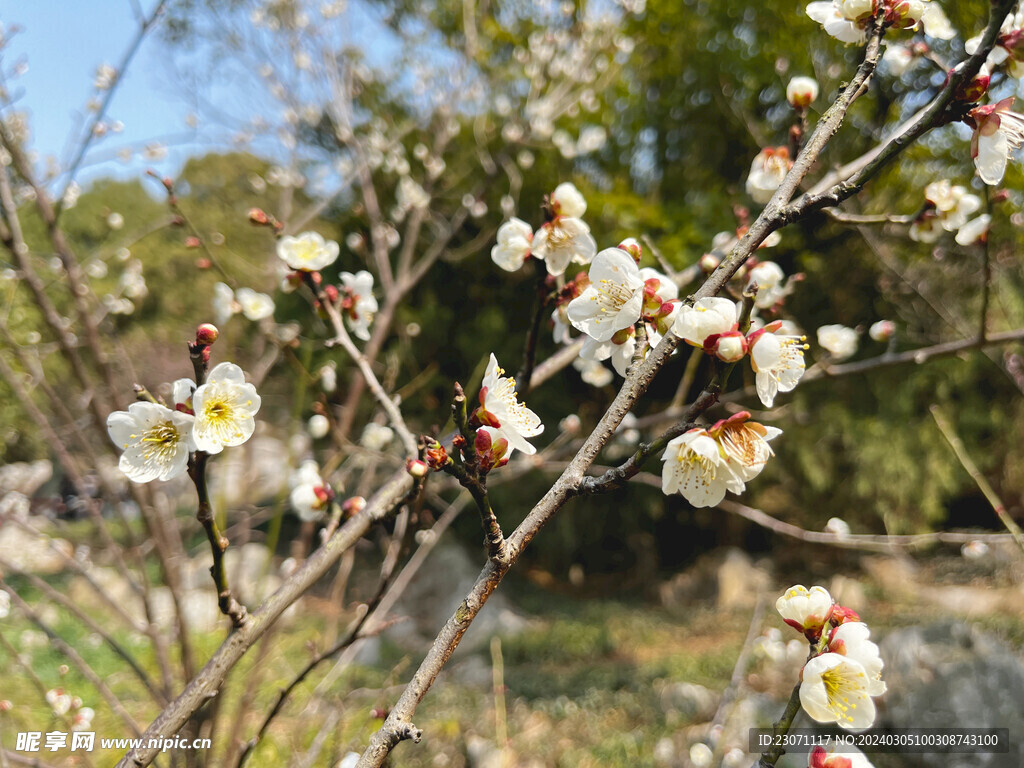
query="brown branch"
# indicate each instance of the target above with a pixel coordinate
(207, 683)
(946, 428)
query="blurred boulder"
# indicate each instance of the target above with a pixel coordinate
(952, 675)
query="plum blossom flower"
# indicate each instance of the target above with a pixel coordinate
(936, 24)
(307, 252)
(614, 298)
(850, 639)
(975, 231)
(255, 306)
(155, 440)
(224, 304)
(838, 340)
(847, 757)
(767, 171)
(82, 719)
(777, 360)
(592, 372)
(693, 324)
(501, 409)
(358, 302)
(619, 348)
(806, 610)
(566, 200)
(696, 467)
(953, 203)
(562, 241)
(801, 91)
(59, 700)
(898, 58)
(772, 286)
(1009, 47)
(845, 20)
(309, 495)
(5, 604)
(745, 444)
(998, 133)
(376, 437)
(225, 407)
(513, 248)
(837, 689)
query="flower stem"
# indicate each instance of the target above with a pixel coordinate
(229, 606)
(771, 756)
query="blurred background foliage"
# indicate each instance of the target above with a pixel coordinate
(695, 89)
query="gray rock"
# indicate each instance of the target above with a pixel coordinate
(952, 675)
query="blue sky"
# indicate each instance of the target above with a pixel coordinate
(64, 41)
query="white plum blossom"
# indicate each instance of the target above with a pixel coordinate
(255, 306)
(842, 19)
(309, 495)
(850, 639)
(974, 231)
(224, 304)
(771, 284)
(838, 340)
(998, 133)
(614, 298)
(328, 377)
(358, 302)
(501, 409)
(801, 91)
(953, 203)
(307, 252)
(566, 200)
(562, 241)
(745, 444)
(806, 610)
(697, 468)
(897, 58)
(155, 441)
(837, 689)
(767, 171)
(936, 24)
(376, 437)
(5, 604)
(926, 228)
(1008, 48)
(707, 317)
(846, 757)
(59, 700)
(593, 372)
(225, 407)
(82, 719)
(701, 755)
(777, 360)
(515, 237)
(619, 349)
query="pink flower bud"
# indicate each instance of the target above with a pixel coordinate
(841, 614)
(5, 705)
(353, 505)
(206, 334)
(632, 247)
(416, 468)
(883, 330)
(192, 242)
(258, 216)
(729, 347)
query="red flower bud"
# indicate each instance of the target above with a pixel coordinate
(258, 216)
(416, 468)
(192, 242)
(206, 334)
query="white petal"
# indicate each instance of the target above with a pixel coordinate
(993, 151)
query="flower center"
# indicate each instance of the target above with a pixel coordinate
(161, 442)
(839, 682)
(610, 295)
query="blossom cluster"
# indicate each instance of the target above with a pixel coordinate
(157, 441)
(702, 464)
(63, 704)
(844, 672)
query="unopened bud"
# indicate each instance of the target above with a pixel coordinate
(841, 615)
(192, 242)
(353, 505)
(203, 263)
(631, 246)
(206, 334)
(728, 347)
(883, 330)
(709, 263)
(331, 292)
(258, 216)
(5, 705)
(801, 91)
(416, 468)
